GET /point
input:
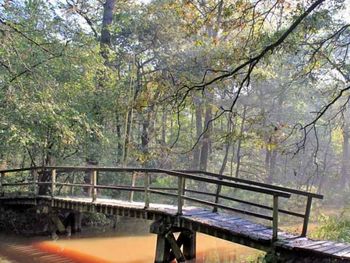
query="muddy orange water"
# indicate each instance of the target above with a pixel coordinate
(137, 249)
(108, 246)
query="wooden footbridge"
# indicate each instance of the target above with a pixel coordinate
(178, 201)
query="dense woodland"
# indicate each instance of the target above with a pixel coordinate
(249, 88)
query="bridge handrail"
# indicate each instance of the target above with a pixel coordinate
(250, 182)
(309, 195)
(153, 170)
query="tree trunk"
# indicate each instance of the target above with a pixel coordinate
(119, 141)
(107, 19)
(199, 130)
(272, 166)
(204, 156)
(239, 145)
(164, 121)
(345, 164)
(94, 150)
(128, 124)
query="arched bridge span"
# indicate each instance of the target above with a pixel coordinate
(229, 208)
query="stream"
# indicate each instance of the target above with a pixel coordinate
(130, 242)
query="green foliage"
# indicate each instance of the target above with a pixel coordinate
(95, 219)
(333, 228)
(63, 102)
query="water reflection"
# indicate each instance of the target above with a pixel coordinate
(130, 243)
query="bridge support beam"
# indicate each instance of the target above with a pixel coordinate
(77, 222)
(168, 247)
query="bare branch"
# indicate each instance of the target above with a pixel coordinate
(266, 50)
(24, 35)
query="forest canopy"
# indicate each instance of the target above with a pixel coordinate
(250, 88)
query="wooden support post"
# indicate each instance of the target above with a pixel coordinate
(189, 244)
(186, 240)
(218, 190)
(180, 192)
(35, 182)
(307, 215)
(183, 190)
(147, 183)
(53, 182)
(162, 249)
(2, 176)
(174, 247)
(77, 222)
(133, 182)
(275, 218)
(168, 248)
(93, 183)
(71, 191)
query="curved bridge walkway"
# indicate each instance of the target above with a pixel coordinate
(225, 207)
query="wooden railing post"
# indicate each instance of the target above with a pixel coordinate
(218, 190)
(53, 182)
(306, 216)
(183, 189)
(275, 218)
(35, 182)
(93, 187)
(133, 182)
(2, 175)
(180, 192)
(147, 182)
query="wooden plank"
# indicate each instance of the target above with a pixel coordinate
(19, 169)
(337, 247)
(233, 220)
(343, 252)
(347, 255)
(320, 246)
(196, 213)
(314, 244)
(294, 242)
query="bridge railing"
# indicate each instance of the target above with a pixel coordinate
(308, 195)
(180, 191)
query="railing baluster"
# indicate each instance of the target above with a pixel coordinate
(275, 218)
(133, 181)
(307, 215)
(218, 190)
(147, 182)
(180, 192)
(2, 176)
(183, 189)
(53, 182)
(94, 183)
(35, 182)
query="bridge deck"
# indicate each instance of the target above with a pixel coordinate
(224, 226)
